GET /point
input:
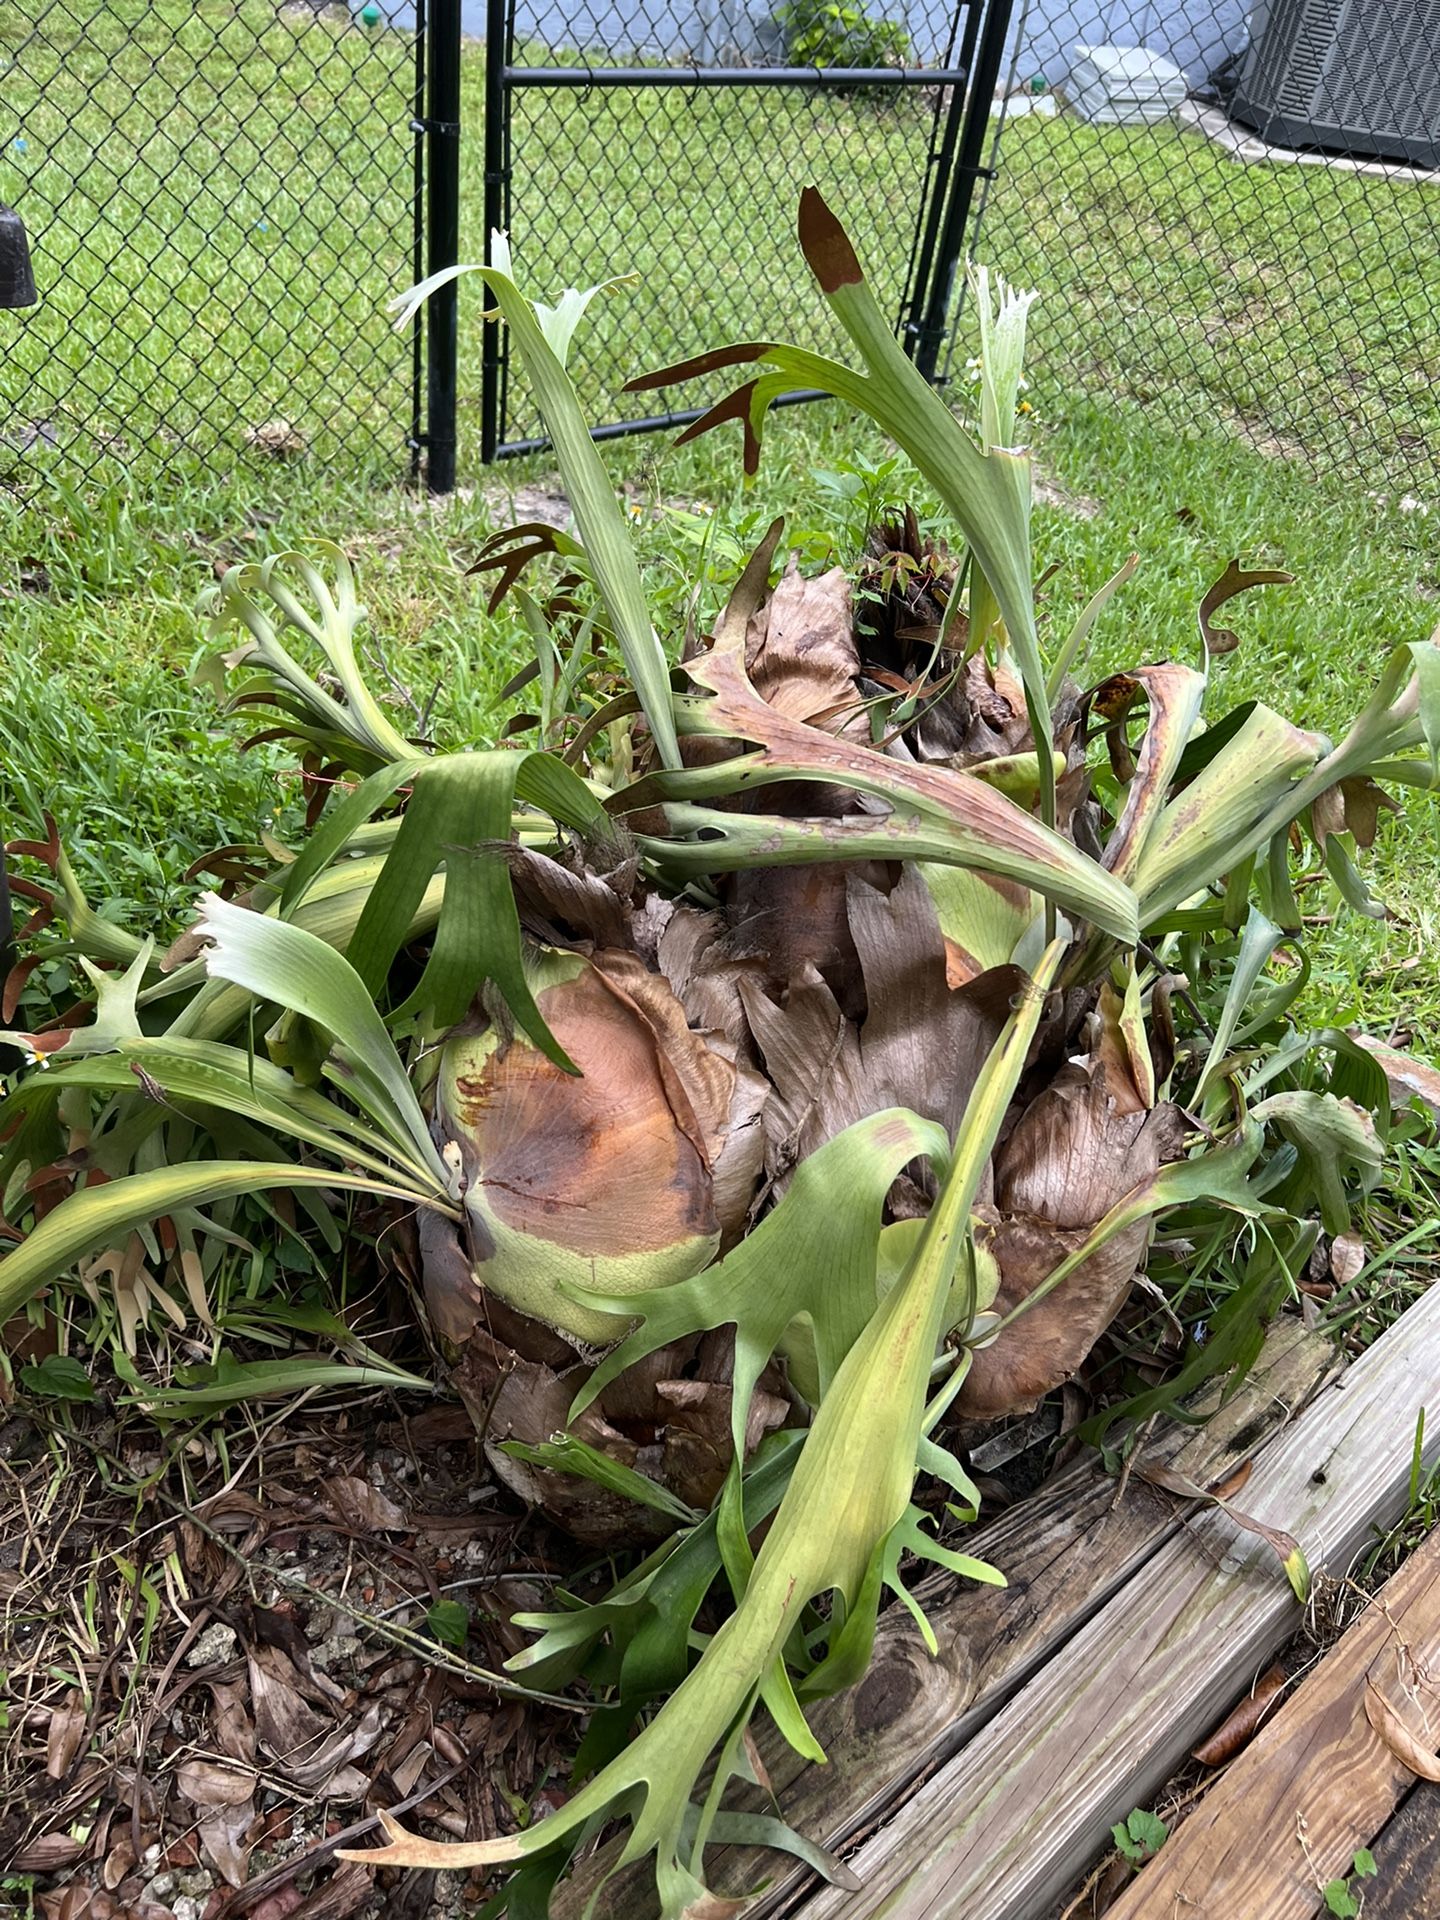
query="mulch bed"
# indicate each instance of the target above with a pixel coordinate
(221, 1664)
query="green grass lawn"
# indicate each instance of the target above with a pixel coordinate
(219, 202)
(100, 723)
(1298, 301)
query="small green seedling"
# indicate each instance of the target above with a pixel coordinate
(449, 1623)
(1140, 1836)
(1341, 1898)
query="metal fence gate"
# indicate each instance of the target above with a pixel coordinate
(671, 140)
(220, 197)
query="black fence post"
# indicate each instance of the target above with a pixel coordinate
(442, 333)
(978, 96)
(497, 187)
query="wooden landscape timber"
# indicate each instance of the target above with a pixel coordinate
(1065, 1551)
(998, 1832)
(1407, 1861)
(1319, 1780)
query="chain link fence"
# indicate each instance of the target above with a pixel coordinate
(670, 140)
(220, 196)
(1265, 252)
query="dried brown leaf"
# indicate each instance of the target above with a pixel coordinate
(355, 1503)
(1347, 1257)
(210, 1784)
(749, 592)
(322, 1768)
(118, 1862)
(1419, 1756)
(612, 1162)
(1241, 1725)
(1409, 1078)
(1362, 803)
(800, 647)
(1233, 1481)
(64, 1735)
(222, 1834)
(920, 1044)
(756, 1762)
(79, 1902)
(1283, 1544)
(530, 1402)
(1074, 1154)
(231, 1725)
(350, 1783)
(49, 1853)
(285, 1726)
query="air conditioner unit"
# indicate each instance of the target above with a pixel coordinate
(1361, 76)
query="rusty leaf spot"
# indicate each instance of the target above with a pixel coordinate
(699, 363)
(826, 245)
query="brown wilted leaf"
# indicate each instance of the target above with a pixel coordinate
(1283, 1544)
(79, 1902)
(1419, 1756)
(1073, 1154)
(686, 1421)
(693, 954)
(557, 902)
(1347, 1257)
(50, 1853)
(1352, 806)
(707, 1073)
(209, 1784)
(118, 1862)
(614, 1163)
(800, 647)
(1409, 1079)
(1232, 1483)
(920, 1044)
(755, 1760)
(285, 1726)
(64, 1735)
(698, 1447)
(324, 1768)
(222, 1834)
(355, 1503)
(233, 1729)
(1240, 1726)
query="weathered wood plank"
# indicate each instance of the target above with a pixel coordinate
(1316, 1783)
(1407, 1856)
(995, 1834)
(1064, 1552)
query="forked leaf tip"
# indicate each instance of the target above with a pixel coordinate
(826, 245)
(406, 1849)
